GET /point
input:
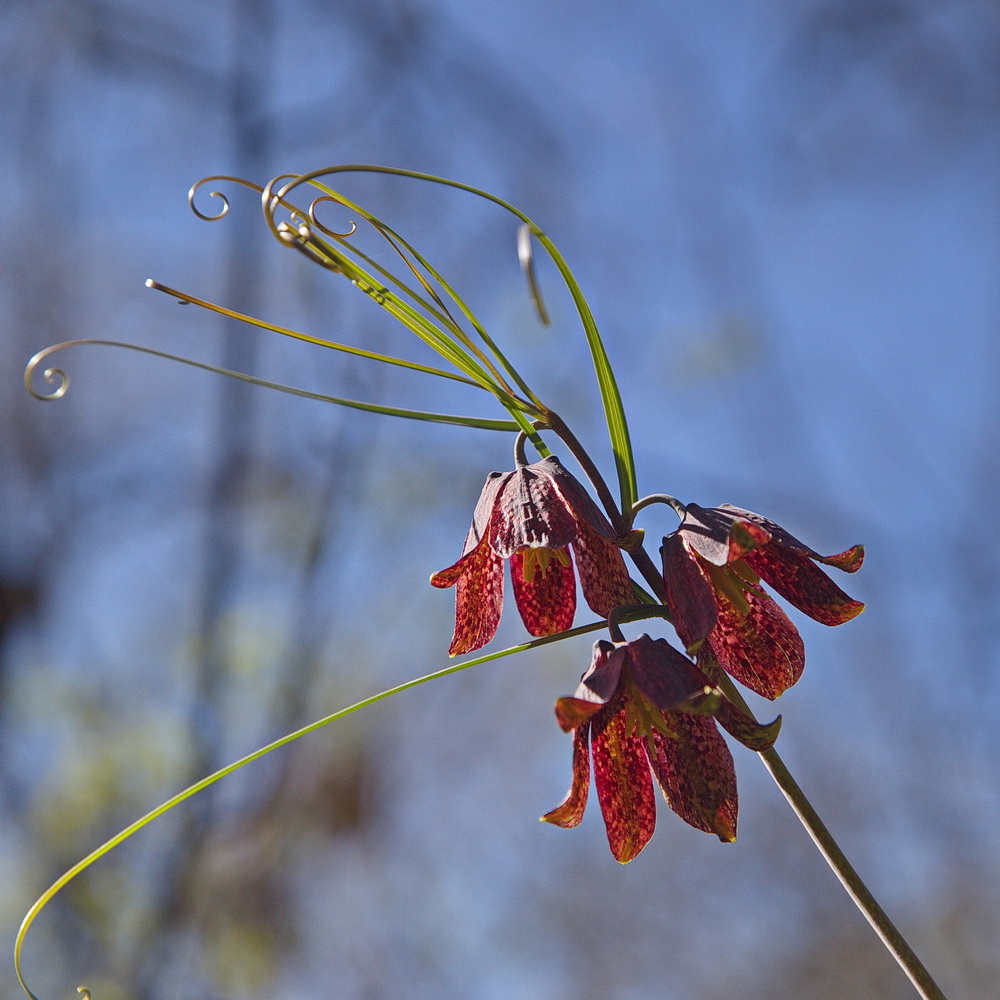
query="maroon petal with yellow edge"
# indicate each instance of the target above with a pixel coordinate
(478, 581)
(570, 811)
(695, 772)
(547, 602)
(850, 560)
(604, 577)
(624, 785)
(803, 584)
(760, 647)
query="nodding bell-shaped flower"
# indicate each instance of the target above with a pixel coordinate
(712, 567)
(643, 708)
(533, 516)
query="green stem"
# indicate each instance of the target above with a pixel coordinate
(679, 509)
(852, 882)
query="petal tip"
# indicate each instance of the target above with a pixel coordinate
(627, 853)
(850, 560)
(725, 825)
(842, 613)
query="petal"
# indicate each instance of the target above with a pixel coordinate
(478, 597)
(570, 811)
(760, 648)
(571, 713)
(743, 728)
(695, 772)
(604, 576)
(548, 602)
(690, 595)
(624, 785)
(667, 678)
(576, 496)
(484, 509)
(802, 583)
(706, 530)
(600, 682)
(530, 511)
(744, 537)
(849, 560)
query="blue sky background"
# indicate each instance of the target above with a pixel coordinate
(785, 219)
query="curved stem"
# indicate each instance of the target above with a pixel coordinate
(631, 613)
(852, 882)
(679, 508)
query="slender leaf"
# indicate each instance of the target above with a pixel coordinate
(392, 411)
(610, 394)
(204, 783)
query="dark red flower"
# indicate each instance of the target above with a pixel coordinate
(532, 516)
(712, 567)
(642, 707)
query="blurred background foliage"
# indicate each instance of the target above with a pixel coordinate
(785, 215)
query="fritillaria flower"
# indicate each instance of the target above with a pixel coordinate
(533, 516)
(643, 710)
(712, 567)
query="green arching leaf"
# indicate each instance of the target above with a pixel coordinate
(440, 310)
(614, 411)
(309, 339)
(610, 394)
(165, 807)
(481, 423)
(526, 256)
(426, 330)
(393, 237)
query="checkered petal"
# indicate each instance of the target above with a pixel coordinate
(604, 577)
(696, 775)
(478, 581)
(547, 602)
(761, 648)
(570, 811)
(624, 785)
(803, 584)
